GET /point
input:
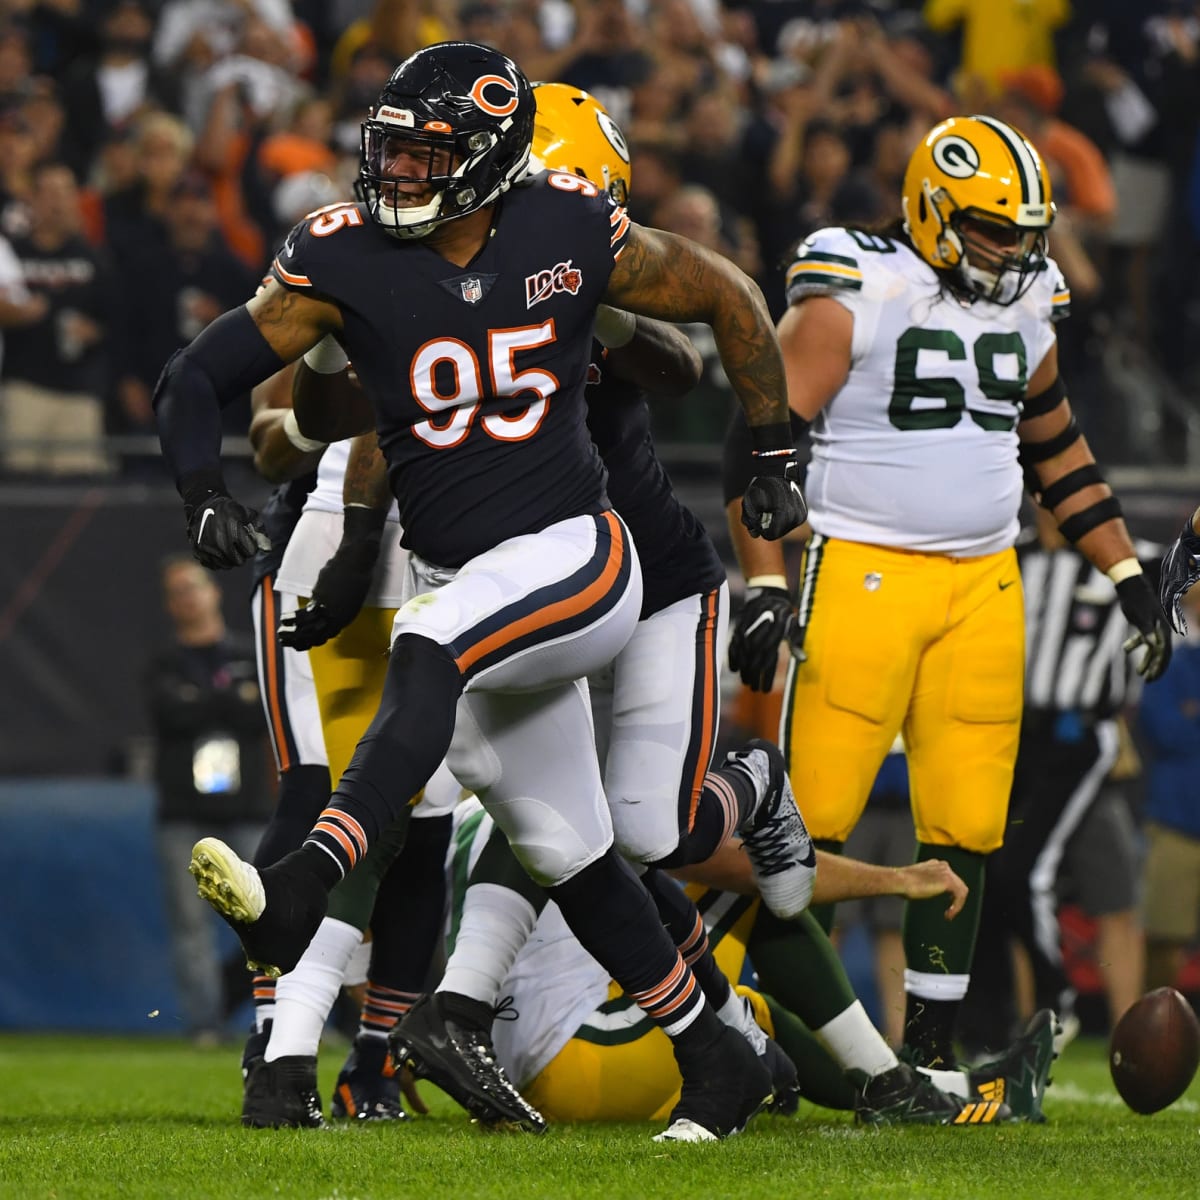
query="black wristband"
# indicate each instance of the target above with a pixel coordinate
(1036, 452)
(198, 485)
(1072, 482)
(772, 439)
(361, 523)
(1044, 402)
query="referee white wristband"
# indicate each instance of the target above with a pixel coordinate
(326, 357)
(766, 581)
(1125, 569)
(292, 429)
(614, 327)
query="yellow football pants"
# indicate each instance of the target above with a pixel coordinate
(348, 673)
(925, 645)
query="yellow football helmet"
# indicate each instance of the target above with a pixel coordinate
(977, 206)
(573, 132)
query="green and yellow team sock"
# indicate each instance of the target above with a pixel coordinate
(938, 953)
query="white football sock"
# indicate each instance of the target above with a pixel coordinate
(496, 922)
(304, 997)
(737, 1014)
(954, 1082)
(855, 1043)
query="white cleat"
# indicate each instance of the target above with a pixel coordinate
(229, 884)
(684, 1130)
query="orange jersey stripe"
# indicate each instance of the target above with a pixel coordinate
(271, 660)
(561, 611)
(708, 718)
(288, 277)
(336, 832)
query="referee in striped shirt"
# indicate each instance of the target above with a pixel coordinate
(1077, 679)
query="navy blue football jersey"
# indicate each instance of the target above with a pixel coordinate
(677, 555)
(476, 373)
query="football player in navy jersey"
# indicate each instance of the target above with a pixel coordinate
(467, 305)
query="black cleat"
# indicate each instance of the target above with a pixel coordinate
(1019, 1076)
(254, 1049)
(282, 1094)
(367, 1088)
(274, 912)
(903, 1096)
(453, 1050)
(722, 1089)
(785, 1084)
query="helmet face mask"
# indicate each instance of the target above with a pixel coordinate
(450, 134)
(977, 208)
(572, 132)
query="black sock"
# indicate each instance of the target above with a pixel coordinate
(401, 749)
(929, 1031)
(683, 922)
(303, 792)
(727, 799)
(406, 923)
(612, 915)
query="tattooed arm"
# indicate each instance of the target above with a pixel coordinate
(673, 279)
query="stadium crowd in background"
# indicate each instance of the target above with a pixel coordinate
(180, 139)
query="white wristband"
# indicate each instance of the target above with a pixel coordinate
(762, 581)
(614, 327)
(326, 357)
(1127, 568)
(292, 429)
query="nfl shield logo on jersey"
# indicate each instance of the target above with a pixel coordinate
(472, 290)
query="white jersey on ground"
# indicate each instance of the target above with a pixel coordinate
(918, 450)
(555, 984)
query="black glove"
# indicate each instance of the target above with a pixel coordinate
(342, 585)
(1180, 571)
(766, 619)
(1143, 611)
(223, 532)
(773, 503)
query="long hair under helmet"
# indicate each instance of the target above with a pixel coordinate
(459, 97)
(979, 170)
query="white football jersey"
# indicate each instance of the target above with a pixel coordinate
(331, 471)
(918, 450)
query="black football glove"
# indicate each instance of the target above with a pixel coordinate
(1180, 572)
(773, 503)
(766, 619)
(1143, 611)
(223, 532)
(342, 585)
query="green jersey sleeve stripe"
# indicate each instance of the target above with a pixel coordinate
(825, 256)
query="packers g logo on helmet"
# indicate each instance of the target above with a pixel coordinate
(979, 172)
(573, 132)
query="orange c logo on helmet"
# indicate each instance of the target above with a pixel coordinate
(495, 110)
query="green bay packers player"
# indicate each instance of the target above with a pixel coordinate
(924, 358)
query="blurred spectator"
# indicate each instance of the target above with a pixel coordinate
(303, 145)
(1000, 34)
(607, 57)
(1169, 719)
(211, 770)
(658, 177)
(135, 215)
(108, 90)
(18, 154)
(18, 306)
(300, 194)
(1080, 176)
(56, 374)
(16, 65)
(354, 89)
(180, 288)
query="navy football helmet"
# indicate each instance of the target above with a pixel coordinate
(451, 132)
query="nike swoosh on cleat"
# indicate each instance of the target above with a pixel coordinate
(208, 512)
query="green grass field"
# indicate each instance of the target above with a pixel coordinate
(94, 1118)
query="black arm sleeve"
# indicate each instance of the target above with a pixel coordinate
(224, 361)
(737, 461)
